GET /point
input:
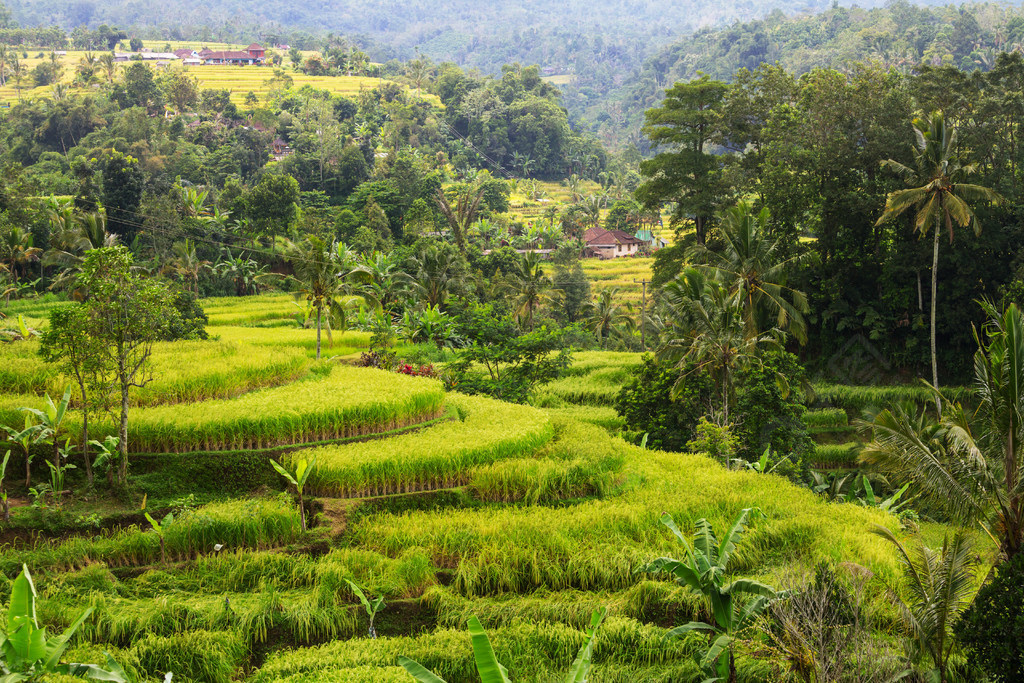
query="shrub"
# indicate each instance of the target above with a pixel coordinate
(647, 405)
(772, 417)
(992, 629)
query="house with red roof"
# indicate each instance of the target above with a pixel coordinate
(606, 244)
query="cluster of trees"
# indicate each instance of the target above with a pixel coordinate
(823, 152)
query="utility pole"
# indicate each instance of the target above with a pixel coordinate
(643, 311)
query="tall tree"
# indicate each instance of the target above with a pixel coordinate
(689, 123)
(127, 313)
(938, 195)
(460, 207)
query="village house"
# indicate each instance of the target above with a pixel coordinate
(146, 56)
(606, 244)
(251, 55)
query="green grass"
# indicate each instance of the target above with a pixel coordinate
(857, 398)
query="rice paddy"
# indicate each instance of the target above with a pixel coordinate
(624, 274)
(446, 505)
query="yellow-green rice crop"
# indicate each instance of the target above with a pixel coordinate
(597, 544)
(183, 371)
(255, 523)
(438, 457)
(344, 344)
(594, 378)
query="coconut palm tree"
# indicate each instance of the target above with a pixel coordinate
(386, 280)
(187, 265)
(108, 65)
(17, 250)
(531, 288)
(325, 277)
(969, 462)
(607, 316)
(940, 586)
(939, 196)
(460, 211)
(706, 332)
(435, 273)
(754, 269)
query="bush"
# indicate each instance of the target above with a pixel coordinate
(647, 406)
(770, 417)
(191, 321)
(992, 629)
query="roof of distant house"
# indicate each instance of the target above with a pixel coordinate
(255, 46)
(600, 237)
(228, 54)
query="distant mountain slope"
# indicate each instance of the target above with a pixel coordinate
(900, 35)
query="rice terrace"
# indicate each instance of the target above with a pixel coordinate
(474, 343)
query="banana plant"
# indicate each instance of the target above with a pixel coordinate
(25, 437)
(160, 528)
(58, 471)
(27, 653)
(51, 418)
(491, 670)
(372, 609)
(6, 509)
(297, 478)
(735, 606)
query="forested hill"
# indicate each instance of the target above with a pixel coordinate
(899, 35)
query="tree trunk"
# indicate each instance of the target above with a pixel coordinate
(302, 510)
(318, 334)
(935, 282)
(85, 434)
(122, 474)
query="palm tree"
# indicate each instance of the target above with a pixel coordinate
(387, 282)
(969, 462)
(109, 66)
(460, 214)
(938, 194)
(187, 265)
(16, 249)
(940, 585)
(3, 65)
(435, 273)
(607, 317)
(324, 276)
(531, 288)
(754, 270)
(18, 72)
(706, 331)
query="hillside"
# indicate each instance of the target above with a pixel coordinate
(900, 35)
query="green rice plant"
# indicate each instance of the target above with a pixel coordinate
(602, 416)
(559, 471)
(438, 457)
(597, 544)
(825, 419)
(594, 378)
(183, 371)
(253, 523)
(836, 455)
(354, 674)
(857, 398)
(207, 656)
(528, 650)
(346, 403)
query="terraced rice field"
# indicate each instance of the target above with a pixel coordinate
(528, 518)
(237, 80)
(620, 273)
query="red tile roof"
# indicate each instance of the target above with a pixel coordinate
(228, 54)
(601, 237)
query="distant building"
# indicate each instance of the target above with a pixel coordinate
(606, 244)
(255, 51)
(146, 56)
(186, 53)
(231, 57)
(653, 242)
